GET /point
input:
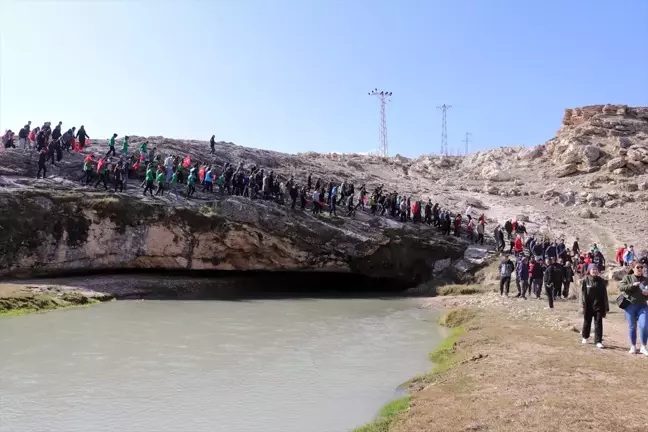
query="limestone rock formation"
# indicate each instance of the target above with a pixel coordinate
(55, 232)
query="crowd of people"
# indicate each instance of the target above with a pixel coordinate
(538, 261)
(542, 262)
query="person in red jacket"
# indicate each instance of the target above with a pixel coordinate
(519, 247)
(619, 255)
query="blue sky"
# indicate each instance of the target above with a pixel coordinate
(293, 75)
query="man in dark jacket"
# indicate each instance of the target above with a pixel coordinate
(576, 247)
(82, 135)
(508, 226)
(594, 304)
(551, 251)
(568, 278)
(553, 277)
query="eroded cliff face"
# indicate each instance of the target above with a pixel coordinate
(47, 232)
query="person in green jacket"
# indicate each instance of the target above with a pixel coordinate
(87, 169)
(125, 146)
(173, 183)
(191, 185)
(160, 181)
(221, 185)
(634, 288)
(180, 172)
(111, 144)
(103, 175)
(143, 151)
(149, 180)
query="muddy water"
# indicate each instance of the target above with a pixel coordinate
(278, 365)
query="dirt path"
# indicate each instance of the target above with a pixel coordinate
(521, 367)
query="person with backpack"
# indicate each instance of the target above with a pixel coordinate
(594, 305)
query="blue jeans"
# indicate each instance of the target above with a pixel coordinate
(638, 313)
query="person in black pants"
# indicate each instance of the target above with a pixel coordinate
(42, 156)
(594, 305)
(506, 270)
(553, 278)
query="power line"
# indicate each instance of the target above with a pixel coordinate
(467, 141)
(444, 128)
(383, 97)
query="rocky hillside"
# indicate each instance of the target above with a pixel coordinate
(588, 181)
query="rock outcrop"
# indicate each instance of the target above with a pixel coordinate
(53, 232)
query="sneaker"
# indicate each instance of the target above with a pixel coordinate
(599, 345)
(644, 350)
(584, 341)
(633, 350)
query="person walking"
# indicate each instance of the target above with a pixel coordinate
(594, 305)
(634, 289)
(506, 270)
(480, 232)
(111, 145)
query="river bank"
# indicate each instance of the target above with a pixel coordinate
(513, 365)
(21, 298)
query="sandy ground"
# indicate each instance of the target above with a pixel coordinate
(522, 367)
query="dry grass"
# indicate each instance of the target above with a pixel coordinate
(511, 375)
(456, 289)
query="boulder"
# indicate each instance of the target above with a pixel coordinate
(616, 163)
(441, 265)
(611, 203)
(591, 153)
(624, 142)
(550, 193)
(643, 186)
(492, 190)
(566, 170)
(522, 218)
(630, 187)
(494, 174)
(586, 214)
(567, 199)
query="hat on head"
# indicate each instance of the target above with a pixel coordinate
(591, 266)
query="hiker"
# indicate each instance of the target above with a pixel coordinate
(634, 289)
(628, 256)
(149, 180)
(81, 135)
(517, 244)
(118, 177)
(173, 183)
(553, 277)
(537, 269)
(208, 185)
(575, 247)
(212, 144)
(523, 277)
(87, 169)
(506, 270)
(469, 229)
(508, 227)
(191, 183)
(42, 156)
(568, 278)
(111, 145)
(480, 232)
(594, 305)
(160, 178)
(620, 255)
(23, 136)
(102, 170)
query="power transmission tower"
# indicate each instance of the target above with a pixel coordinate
(383, 97)
(444, 128)
(467, 141)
